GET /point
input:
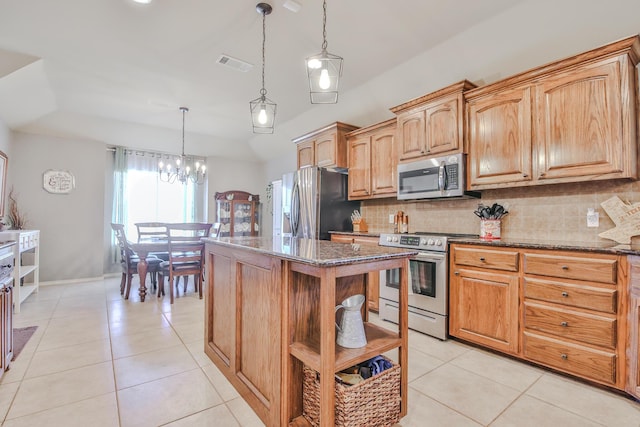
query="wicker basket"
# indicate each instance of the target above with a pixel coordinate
(374, 402)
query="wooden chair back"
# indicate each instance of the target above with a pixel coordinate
(186, 253)
(151, 231)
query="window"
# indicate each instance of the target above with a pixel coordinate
(140, 196)
(151, 200)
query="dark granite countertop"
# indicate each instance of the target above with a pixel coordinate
(316, 252)
(602, 247)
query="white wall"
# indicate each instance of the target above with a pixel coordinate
(71, 225)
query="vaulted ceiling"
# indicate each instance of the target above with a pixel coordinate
(116, 71)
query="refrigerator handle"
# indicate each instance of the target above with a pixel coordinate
(295, 209)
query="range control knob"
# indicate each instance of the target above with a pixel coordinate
(430, 242)
(395, 238)
(423, 241)
(438, 242)
(389, 238)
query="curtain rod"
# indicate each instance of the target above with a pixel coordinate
(156, 153)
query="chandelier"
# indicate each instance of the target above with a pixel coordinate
(263, 110)
(324, 70)
(184, 170)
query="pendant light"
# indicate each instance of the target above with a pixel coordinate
(324, 70)
(263, 110)
(183, 171)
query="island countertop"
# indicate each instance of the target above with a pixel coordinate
(314, 252)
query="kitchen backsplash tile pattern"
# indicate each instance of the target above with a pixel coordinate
(551, 212)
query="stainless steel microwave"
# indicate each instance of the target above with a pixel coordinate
(435, 178)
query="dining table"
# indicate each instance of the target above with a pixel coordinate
(143, 249)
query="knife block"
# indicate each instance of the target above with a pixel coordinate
(360, 226)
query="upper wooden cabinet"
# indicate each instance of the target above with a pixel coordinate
(373, 161)
(325, 147)
(569, 121)
(432, 124)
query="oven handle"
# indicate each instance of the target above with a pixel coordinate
(430, 256)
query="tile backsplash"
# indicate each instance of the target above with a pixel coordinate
(548, 212)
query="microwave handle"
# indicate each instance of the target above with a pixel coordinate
(441, 177)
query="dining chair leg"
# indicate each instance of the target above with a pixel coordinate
(123, 283)
(129, 279)
(171, 286)
(160, 285)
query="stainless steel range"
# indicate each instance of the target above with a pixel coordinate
(428, 282)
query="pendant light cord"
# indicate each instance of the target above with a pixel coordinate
(263, 91)
(184, 110)
(324, 25)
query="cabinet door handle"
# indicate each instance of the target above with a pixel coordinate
(565, 294)
(564, 356)
(565, 267)
(525, 175)
(564, 324)
(482, 259)
(457, 273)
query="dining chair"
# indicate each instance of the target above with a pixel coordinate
(129, 261)
(186, 256)
(151, 231)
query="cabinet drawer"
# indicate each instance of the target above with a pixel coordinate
(584, 327)
(484, 258)
(589, 297)
(574, 358)
(570, 267)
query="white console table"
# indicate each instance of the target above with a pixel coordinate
(26, 274)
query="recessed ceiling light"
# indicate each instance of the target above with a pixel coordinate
(143, 1)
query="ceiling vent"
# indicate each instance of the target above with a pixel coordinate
(234, 63)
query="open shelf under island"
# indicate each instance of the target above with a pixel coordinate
(270, 310)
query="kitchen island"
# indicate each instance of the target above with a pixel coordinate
(270, 310)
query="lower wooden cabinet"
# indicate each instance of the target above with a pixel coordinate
(483, 302)
(566, 310)
(373, 279)
(633, 344)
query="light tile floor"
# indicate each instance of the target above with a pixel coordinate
(98, 360)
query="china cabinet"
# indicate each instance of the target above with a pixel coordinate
(432, 124)
(568, 121)
(238, 213)
(26, 274)
(325, 147)
(373, 161)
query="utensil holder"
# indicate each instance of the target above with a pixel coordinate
(490, 229)
(360, 226)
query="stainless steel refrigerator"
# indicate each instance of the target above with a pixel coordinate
(314, 202)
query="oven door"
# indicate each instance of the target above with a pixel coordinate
(427, 282)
